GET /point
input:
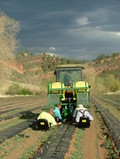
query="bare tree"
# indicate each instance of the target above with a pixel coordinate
(8, 43)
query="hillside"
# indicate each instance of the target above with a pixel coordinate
(108, 66)
(37, 70)
(104, 74)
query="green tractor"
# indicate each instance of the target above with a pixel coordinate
(68, 90)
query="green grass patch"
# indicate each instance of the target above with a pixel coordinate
(16, 89)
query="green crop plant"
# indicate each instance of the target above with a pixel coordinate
(16, 139)
(105, 129)
(108, 144)
(97, 112)
(3, 151)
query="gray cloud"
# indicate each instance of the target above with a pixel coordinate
(76, 29)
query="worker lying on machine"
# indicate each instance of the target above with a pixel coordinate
(46, 120)
(82, 116)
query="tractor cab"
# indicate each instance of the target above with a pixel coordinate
(68, 75)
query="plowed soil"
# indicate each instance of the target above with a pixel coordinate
(26, 143)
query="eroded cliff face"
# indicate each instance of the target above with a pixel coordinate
(13, 65)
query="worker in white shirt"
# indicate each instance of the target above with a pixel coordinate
(81, 111)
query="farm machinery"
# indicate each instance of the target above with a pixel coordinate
(69, 89)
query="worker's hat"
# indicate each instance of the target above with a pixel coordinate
(80, 106)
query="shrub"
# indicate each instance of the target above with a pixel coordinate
(25, 91)
(111, 83)
(106, 84)
(16, 89)
(13, 89)
(115, 86)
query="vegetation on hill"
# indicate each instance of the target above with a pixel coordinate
(8, 30)
(103, 57)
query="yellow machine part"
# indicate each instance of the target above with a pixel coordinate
(81, 92)
(80, 86)
(57, 85)
(55, 88)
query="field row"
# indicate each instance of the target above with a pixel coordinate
(110, 120)
(18, 114)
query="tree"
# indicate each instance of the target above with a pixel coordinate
(8, 43)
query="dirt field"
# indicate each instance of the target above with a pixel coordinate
(25, 143)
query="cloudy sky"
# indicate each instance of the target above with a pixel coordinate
(75, 29)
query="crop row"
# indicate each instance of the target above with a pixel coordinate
(114, 101)
(111, 122)
(57, 145)
(13, 121)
